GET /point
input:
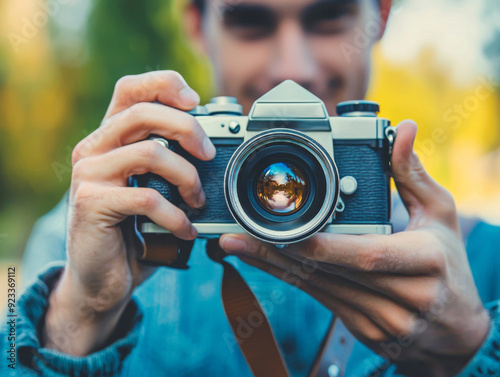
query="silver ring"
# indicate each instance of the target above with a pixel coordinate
(160, 141)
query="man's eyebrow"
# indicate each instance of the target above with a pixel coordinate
(322, 4)
(228, 8)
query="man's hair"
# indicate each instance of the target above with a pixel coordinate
(200, 4)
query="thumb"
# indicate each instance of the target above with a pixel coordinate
(424, 198)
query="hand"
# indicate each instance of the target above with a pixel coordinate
(101, 270)
(409, 296)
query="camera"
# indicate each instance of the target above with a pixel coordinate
(287, 170)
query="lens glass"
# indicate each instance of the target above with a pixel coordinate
(282, 188)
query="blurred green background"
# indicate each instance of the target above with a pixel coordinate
(60, 59)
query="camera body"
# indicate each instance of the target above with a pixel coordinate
(288, 170)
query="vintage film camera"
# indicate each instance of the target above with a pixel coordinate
(288, 170)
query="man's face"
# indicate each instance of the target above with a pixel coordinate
(323, 45)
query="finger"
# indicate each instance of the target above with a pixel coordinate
(423, 197)
(167, 87)
(417, 293)
(141, 120)
(388, 314)
(108, 206)
(119, 164)
(401, 253)
(358, 323)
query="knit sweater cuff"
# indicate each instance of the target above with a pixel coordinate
(32, 306)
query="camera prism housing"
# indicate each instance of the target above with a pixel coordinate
(287, 170)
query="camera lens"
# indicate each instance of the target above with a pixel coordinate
(282, 188)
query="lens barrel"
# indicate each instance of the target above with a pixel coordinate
(281, 186)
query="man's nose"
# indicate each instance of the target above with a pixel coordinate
(292, 57)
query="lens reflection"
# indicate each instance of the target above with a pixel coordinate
(281, 188)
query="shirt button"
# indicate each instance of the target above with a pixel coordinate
(333, 371)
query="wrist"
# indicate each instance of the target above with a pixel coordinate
(486, 361)
(75, 323)
(450, 363)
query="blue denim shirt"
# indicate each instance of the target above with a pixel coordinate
(175, 324)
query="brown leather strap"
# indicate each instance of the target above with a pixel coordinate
(248, 321)
(250, 326)
(159, 249)
(166, 250)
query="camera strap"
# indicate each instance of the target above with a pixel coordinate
(259, 346)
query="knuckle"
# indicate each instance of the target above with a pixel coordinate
(314, 249)
(370, 260)
(79, 170)
(174, 77)
(436, 263)
(447, 207)
(424, 299)
(191, 178)
(148, 199)
(150, 150)
(419, 170)
(374, 334)
(400, 326)
(188, 127)
(263, 251)
(83, 196)
(379, 256)
(135, 113)
(124, 83)
(78, 152)
(179, 221)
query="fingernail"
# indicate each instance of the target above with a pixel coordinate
(208, 148)
(233, 245)
(201, 199)
(194, 232)
(189, 96)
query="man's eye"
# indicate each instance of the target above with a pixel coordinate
(330, 19)
(249, 24)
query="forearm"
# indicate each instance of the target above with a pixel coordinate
(73, 323)
(105, 359)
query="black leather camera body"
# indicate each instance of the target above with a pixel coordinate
(288, 170)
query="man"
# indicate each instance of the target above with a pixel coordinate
(410, 297)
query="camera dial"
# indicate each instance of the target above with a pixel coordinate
(358, 109)
(224, 106)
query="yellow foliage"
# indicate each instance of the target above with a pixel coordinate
(458, 126)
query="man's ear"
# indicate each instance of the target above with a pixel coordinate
(385, 9)
(193, 27)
